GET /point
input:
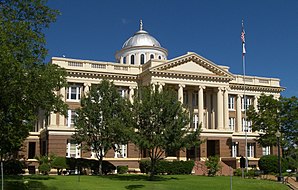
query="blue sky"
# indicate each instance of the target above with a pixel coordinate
(96, 29)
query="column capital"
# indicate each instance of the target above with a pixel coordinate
(220, 89)
(181, 85)
(202, 87)
(132, 87)
(87, 84)
(227, 89)
(240, 95)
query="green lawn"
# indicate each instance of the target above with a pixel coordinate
(137, 182)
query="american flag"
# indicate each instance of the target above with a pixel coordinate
(243, 39)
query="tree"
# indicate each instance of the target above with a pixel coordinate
(273, 115)
(213, 165)
(162, 124)
(103, 121)
(26, 84)
(59, 163)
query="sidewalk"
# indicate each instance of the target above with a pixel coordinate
(293, 183)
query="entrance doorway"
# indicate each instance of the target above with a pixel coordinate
(212, 148)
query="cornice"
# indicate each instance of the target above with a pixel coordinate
(256, 88)
(101, 75)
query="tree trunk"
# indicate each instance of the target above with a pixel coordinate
(100, 165)
(152, 169)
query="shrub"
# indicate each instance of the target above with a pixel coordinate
(44, 168)
(59, 163)
(122, 169)
(212, 165)
(162, 167)
(269, 164)
(13, 167)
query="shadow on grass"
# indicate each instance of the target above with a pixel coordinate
(132, 187)
(138, 178)
(21, 185)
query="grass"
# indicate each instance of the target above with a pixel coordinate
(137, 182)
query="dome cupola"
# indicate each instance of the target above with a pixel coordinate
(140, 48)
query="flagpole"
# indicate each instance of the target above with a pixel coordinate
(244, 93)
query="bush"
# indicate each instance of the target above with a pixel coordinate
(44, 168)
(73, 163)
(13, 167)
(122, 169)
(59, 163)
(167, 167)
(269, 164)
(213, 165)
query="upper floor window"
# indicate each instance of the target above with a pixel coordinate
(71, 114)
(142, 59)
(151, 56)
(246, 125)
(232, 123)
(74, 92)
(124, 60)
(245, 105)
(185, 98)
(195, 99)
(195, 121)
(159, 57)
(231, 103)
(132, 59)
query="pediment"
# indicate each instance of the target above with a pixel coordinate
(193, 64)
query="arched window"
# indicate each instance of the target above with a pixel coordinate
(124, 60)
(142, 59)
(151, 56)
(132, 59)
(159, 57)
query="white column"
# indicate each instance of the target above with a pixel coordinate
(86, 88)
(226, 108)
(153, 86)
(131, 93)
(53, 119)
(214, 108)
(219, 109)
(201, 106)
(256, 102)
(180, 93)
(209, 110)
(160, 86)
(61, 117)
(239, 113)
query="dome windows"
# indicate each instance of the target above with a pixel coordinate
(142, 59)
(132, 59)
(151, 56)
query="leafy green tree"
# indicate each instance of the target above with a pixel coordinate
(26, 83)
(59, 163)
(273, 115)
(213, 165)
(104, 120)
(162, 124)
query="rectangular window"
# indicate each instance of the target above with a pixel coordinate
(121, 151)
(32, 150)
(232, 123)
(247, 103)
(72, 149)
(231, 103)
(266, 150)
(195, 121)
(195, 99)
(251, 150)
(71, 114)
(185, 98)
(235, 149)
(74, 92)
(246, 125)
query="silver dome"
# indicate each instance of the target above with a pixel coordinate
(141, 38)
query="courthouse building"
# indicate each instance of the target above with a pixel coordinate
(213, 94)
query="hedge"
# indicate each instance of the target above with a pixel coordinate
(167, 167)
(13, 167)
(269, 164)
(122, 169)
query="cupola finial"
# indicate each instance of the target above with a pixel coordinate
(141, 24)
